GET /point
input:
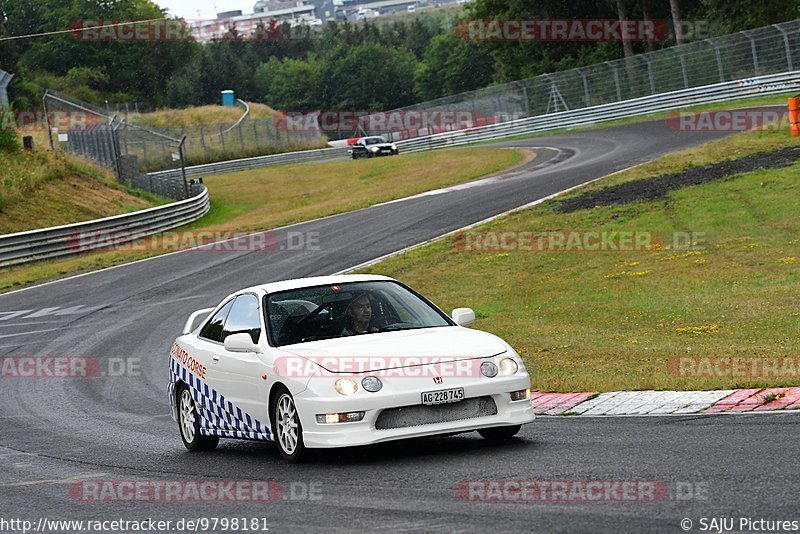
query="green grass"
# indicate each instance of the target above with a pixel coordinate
(40, 189)
(193, 117)
(276, 196)
(208, 139)
(603, 321)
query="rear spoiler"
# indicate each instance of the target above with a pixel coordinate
(189, 326)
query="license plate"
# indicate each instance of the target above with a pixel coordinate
(443, 396)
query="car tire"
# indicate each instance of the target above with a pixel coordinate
(286, 427)
(189, 423)
(499, 433)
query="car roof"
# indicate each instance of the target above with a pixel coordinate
(283, 285)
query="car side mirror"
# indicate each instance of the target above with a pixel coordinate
(241, 343)
(463, 316)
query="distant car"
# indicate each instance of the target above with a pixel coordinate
(340, 361)
(369, 147)
(366, 13)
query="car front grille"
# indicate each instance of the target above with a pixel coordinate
(420, 414)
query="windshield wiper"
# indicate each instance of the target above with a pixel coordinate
(316, 338)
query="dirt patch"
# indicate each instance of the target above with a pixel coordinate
(658, 187)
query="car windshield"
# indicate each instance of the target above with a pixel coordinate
(340, 310)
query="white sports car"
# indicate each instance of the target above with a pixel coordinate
(340, 361)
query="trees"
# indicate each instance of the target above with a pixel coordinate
(452, 65)
(291, 84)
(367, 77)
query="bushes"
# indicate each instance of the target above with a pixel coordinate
(9, 139)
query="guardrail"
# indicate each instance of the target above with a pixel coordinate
(46, 243)
(242, 118)
(749, 87)
(71, 239)
(256, 162)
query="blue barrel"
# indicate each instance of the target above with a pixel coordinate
(227, 98)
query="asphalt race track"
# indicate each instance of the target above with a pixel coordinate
(56, 431)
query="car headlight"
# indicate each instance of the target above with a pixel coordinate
(488, 369)
(346, 386)
(508, 366)
(394, 146)
(374, 149)
(372, 384)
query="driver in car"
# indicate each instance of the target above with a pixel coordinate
(358, 315)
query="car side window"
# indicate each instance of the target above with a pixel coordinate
(243, 318)
(212, 330)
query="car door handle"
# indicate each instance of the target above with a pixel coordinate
(215, 358)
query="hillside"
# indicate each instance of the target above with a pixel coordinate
(42, 189)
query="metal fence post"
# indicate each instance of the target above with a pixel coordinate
(115, 150)
(183, 168)
(47, 120)
(719, 59)
(527, 102)
(586, 97)
(786, 45)
(616, 79)
(753, 51)
(683, 71)
(649, 64)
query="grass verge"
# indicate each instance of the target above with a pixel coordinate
(40, 189)
(276, 196)
(611, 320)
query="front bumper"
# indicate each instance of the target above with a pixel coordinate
(401, 392)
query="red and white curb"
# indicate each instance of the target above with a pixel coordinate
(666, 402)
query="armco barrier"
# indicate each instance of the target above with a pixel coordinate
(750, 87)
(70, 239)
(53, 242)
(246, 164)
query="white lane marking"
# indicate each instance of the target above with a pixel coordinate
(370, 263)
(70, 480)
(47, 312)
(35, 332)
(500, 176)
(121, 265)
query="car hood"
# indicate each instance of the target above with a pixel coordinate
(405, 348)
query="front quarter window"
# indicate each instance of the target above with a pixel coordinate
(212, 330)
(243, 318)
